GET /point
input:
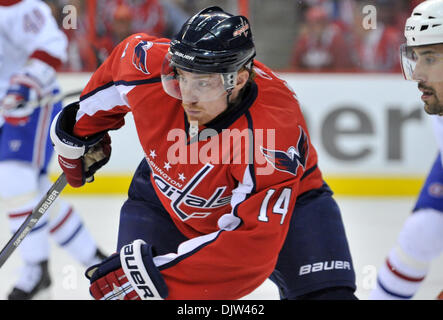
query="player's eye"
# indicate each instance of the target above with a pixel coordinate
(430, 60)
(181, 79)
(203, 83)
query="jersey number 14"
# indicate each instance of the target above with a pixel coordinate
(281, 206)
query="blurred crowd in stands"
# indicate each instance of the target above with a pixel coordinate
(331, 34)
(114, 20)
(342, 35)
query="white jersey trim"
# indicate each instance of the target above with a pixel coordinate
(185, 248)
(105, 99)
(227, 222)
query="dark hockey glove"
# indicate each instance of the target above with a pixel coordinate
(79, 158)
(129, 275)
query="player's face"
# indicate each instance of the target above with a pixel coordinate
(429, 74)
(196, 90)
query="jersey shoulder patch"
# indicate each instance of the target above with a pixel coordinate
(140, 56)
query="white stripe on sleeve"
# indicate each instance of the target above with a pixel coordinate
(105, 100)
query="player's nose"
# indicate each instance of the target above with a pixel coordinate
(418, 74)
(188, 96)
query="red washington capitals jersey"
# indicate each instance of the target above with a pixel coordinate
(231, 189)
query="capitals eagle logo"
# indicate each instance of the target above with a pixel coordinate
(140, 54)
(290, 160)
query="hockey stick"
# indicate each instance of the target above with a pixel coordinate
(33, 218)
(46, 201)
(48, 99)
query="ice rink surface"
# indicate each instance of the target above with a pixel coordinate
(372, 225)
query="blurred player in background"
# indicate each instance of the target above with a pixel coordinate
(31, 48)
(421, 239)
(199, 228)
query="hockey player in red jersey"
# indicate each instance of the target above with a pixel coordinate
(229, 193)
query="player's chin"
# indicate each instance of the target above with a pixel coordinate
(194, 116)
(433, 108)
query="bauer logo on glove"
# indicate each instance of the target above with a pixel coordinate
(130, 275)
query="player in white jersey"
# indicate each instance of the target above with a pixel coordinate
(421, 238)
(31, 48)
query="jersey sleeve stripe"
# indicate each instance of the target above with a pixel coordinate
(90, 94)
(46, 58)
(106, 99)
(117, 83)
(8, 3)
(185, 249)
(308, 172)
(243, 190)
(251, 151)
(241, 193)
(137, 82)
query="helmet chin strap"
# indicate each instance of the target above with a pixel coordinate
(229, 80)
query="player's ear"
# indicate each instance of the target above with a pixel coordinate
(242, 78)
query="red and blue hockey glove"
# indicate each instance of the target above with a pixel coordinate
(15, 107)
(34, 81)
(79, 158)
(129, 275)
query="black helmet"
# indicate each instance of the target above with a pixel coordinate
(213, 41)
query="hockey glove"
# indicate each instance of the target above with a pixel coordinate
(34, 81)
(130, 275)
(15, 107)
(79, 158)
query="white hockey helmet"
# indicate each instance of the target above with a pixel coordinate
(424, 27)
